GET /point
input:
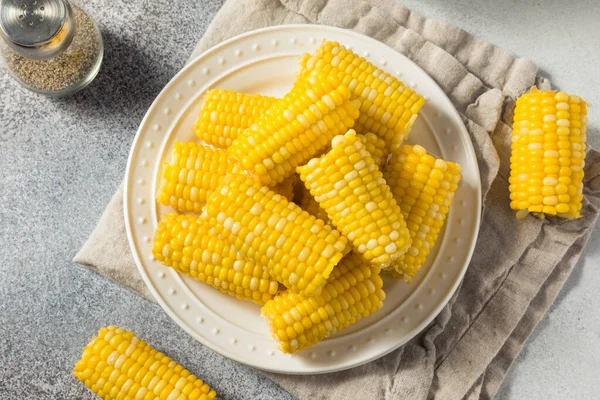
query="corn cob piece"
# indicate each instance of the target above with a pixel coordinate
(116, 364)
(225, 114)
(424, 188)
(193, 173)
(548, 154)
(351, 189)
(307, 202)
(376, 148)
(298, 250)
(388, 108)
(295, 128)
(373, 144)
(183, 242)
(353, 291)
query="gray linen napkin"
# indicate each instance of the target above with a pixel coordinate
(518, 267)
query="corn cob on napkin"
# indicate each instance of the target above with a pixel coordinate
(518, 267)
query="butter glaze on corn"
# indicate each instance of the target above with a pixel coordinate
(116, 364)
(548, 154)
(183, 242)
(297, 249)
(295, 128)
(225, 114)
(350, 188)
(388, 108)
(353, 291)
(423, 187)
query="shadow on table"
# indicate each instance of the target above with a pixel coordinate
(127, 83)
(545, 74)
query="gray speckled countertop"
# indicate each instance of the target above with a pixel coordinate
(62, 159)
(60, 162)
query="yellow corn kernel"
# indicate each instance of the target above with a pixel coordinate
(225, 114)
(296, 248)
(548, 154)
(183, 242)
(350, 188)
(354, 290)
(388, 108)
(376, 147)
(116, 364)
(307, 202)
(194, 171)
(295, 128)
(423, 187)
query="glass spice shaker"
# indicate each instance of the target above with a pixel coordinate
(51, 47)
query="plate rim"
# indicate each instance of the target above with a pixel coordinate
(222, 351)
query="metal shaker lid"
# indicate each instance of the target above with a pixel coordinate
(38, 29)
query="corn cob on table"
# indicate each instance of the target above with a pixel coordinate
(548, 154)
(116, 364)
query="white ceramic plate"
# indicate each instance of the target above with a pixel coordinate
(266, 61)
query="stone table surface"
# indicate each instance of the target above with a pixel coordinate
(62, 159)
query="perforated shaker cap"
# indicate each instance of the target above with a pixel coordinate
(38, 29)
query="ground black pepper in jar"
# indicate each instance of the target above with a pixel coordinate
(51, 47)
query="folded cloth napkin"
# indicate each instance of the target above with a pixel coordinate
(518, 267)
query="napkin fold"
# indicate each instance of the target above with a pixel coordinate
(518, 267)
